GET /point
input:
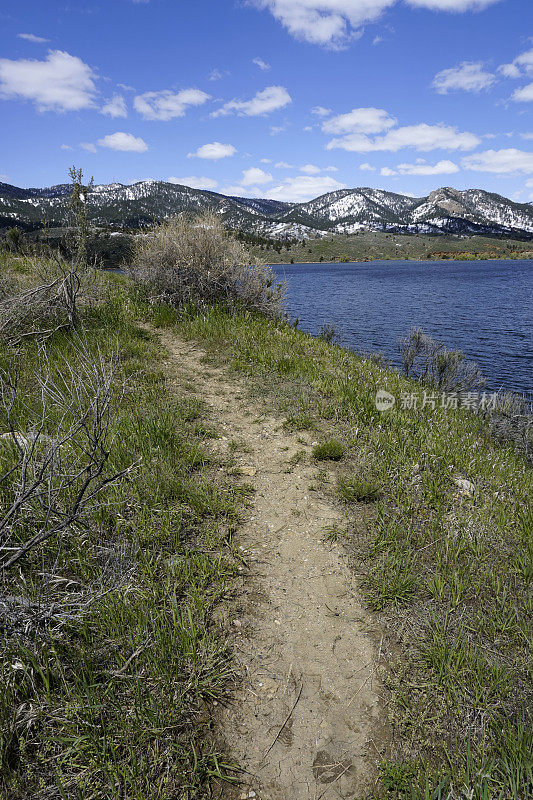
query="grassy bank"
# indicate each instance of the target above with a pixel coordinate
(447, 570)
(112, 655)
(114, 649)
(375, 245)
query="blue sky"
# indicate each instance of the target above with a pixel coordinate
(275, 98)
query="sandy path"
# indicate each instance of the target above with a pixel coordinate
(302, 722)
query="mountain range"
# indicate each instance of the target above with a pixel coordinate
(346, 211)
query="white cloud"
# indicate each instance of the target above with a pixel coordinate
(266, 161)
(525, 61)
(216, 74)
(469, 76)
(255, 176)
(528, 136)
(88, 146)
(366, 167)
(509, 70)
(116, 107)
(325, 22)
(283, 165)
(521, 65)
(304, 187)
(167, 105)
(237, 190)
(453, 5)
(360, 120)
(275, 129)
(214, 151)
(504, 162)
(264, 102)
(320, 111)
(422, 168)
(377, 40)
(66, 147)
(422, 137)
(261, 64)
(334, 22)
(331, 169)
(310, 169)
(523, 95)
(387, 172)
(125, 142)
(195, 182)
(31, 37)
(59, 83)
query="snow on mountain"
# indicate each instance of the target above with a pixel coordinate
(473, 205)
(121, 206)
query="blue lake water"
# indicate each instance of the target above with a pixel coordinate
(484, 308)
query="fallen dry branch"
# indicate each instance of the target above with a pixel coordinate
(44, 309)
(56, 473)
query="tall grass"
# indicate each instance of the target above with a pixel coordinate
(111, 655)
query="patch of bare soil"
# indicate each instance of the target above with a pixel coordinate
(301, 725)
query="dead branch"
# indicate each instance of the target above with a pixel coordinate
(58, 470)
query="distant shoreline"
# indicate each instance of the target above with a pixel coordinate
(414, 260)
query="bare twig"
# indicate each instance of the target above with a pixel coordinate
(54, 481)
(289, 715)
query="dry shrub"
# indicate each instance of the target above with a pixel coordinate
(431, 363)
(52, 303)
(197, 261)
(55, 471)
(511, 420)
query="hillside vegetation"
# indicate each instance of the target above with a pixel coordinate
(115, 645)
(376, 245)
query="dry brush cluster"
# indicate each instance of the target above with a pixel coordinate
(195, 261)
(50, 305)
(509, 416)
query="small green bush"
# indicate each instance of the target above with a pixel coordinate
(353, 489)
(331, 450)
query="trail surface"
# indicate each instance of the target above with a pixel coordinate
(301, 726)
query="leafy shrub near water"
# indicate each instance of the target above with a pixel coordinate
(195, 261)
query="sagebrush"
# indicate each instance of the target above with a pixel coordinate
(196, 261)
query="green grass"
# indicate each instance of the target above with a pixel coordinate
(372, 245)
(448, 575)
(107, 688)
(354, 489)
(118, 704)
(331, 450)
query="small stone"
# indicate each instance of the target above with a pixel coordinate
(251, 794)
(16, 438)
(237, 623)
(249, 471)
(465, 487)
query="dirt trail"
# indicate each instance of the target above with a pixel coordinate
(301, 726)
